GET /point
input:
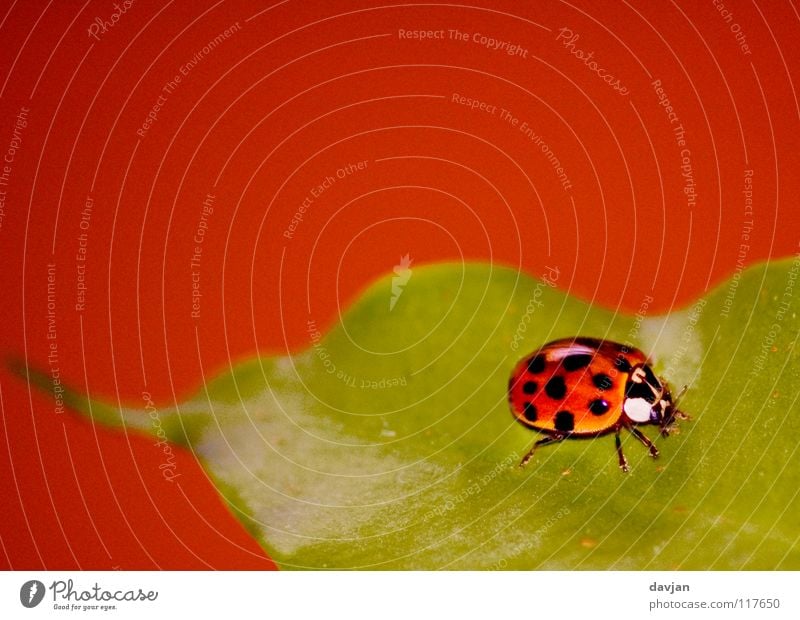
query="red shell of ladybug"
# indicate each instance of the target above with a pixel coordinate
(583, 387)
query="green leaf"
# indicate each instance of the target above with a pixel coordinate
(388, 443)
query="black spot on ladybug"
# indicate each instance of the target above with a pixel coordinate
(622, 363)
(556, 388)
(529, 387)
(529, 411)
(640, 390)
(536, 364)
(576, 362)
(602, 382)
(564, 421)
(599, 406)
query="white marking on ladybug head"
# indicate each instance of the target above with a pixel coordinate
(638, 375)
(637, 409)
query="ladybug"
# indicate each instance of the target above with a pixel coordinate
(584, 387)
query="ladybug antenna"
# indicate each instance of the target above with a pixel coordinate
(680, 395)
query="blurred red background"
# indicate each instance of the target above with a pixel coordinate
(295, 93)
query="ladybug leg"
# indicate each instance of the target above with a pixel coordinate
(643, 438)
(623, 462)
(541, 442)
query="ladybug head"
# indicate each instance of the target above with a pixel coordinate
(648, 399)
(663, 411)
(666, 410)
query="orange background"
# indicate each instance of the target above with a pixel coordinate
(298, 92)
